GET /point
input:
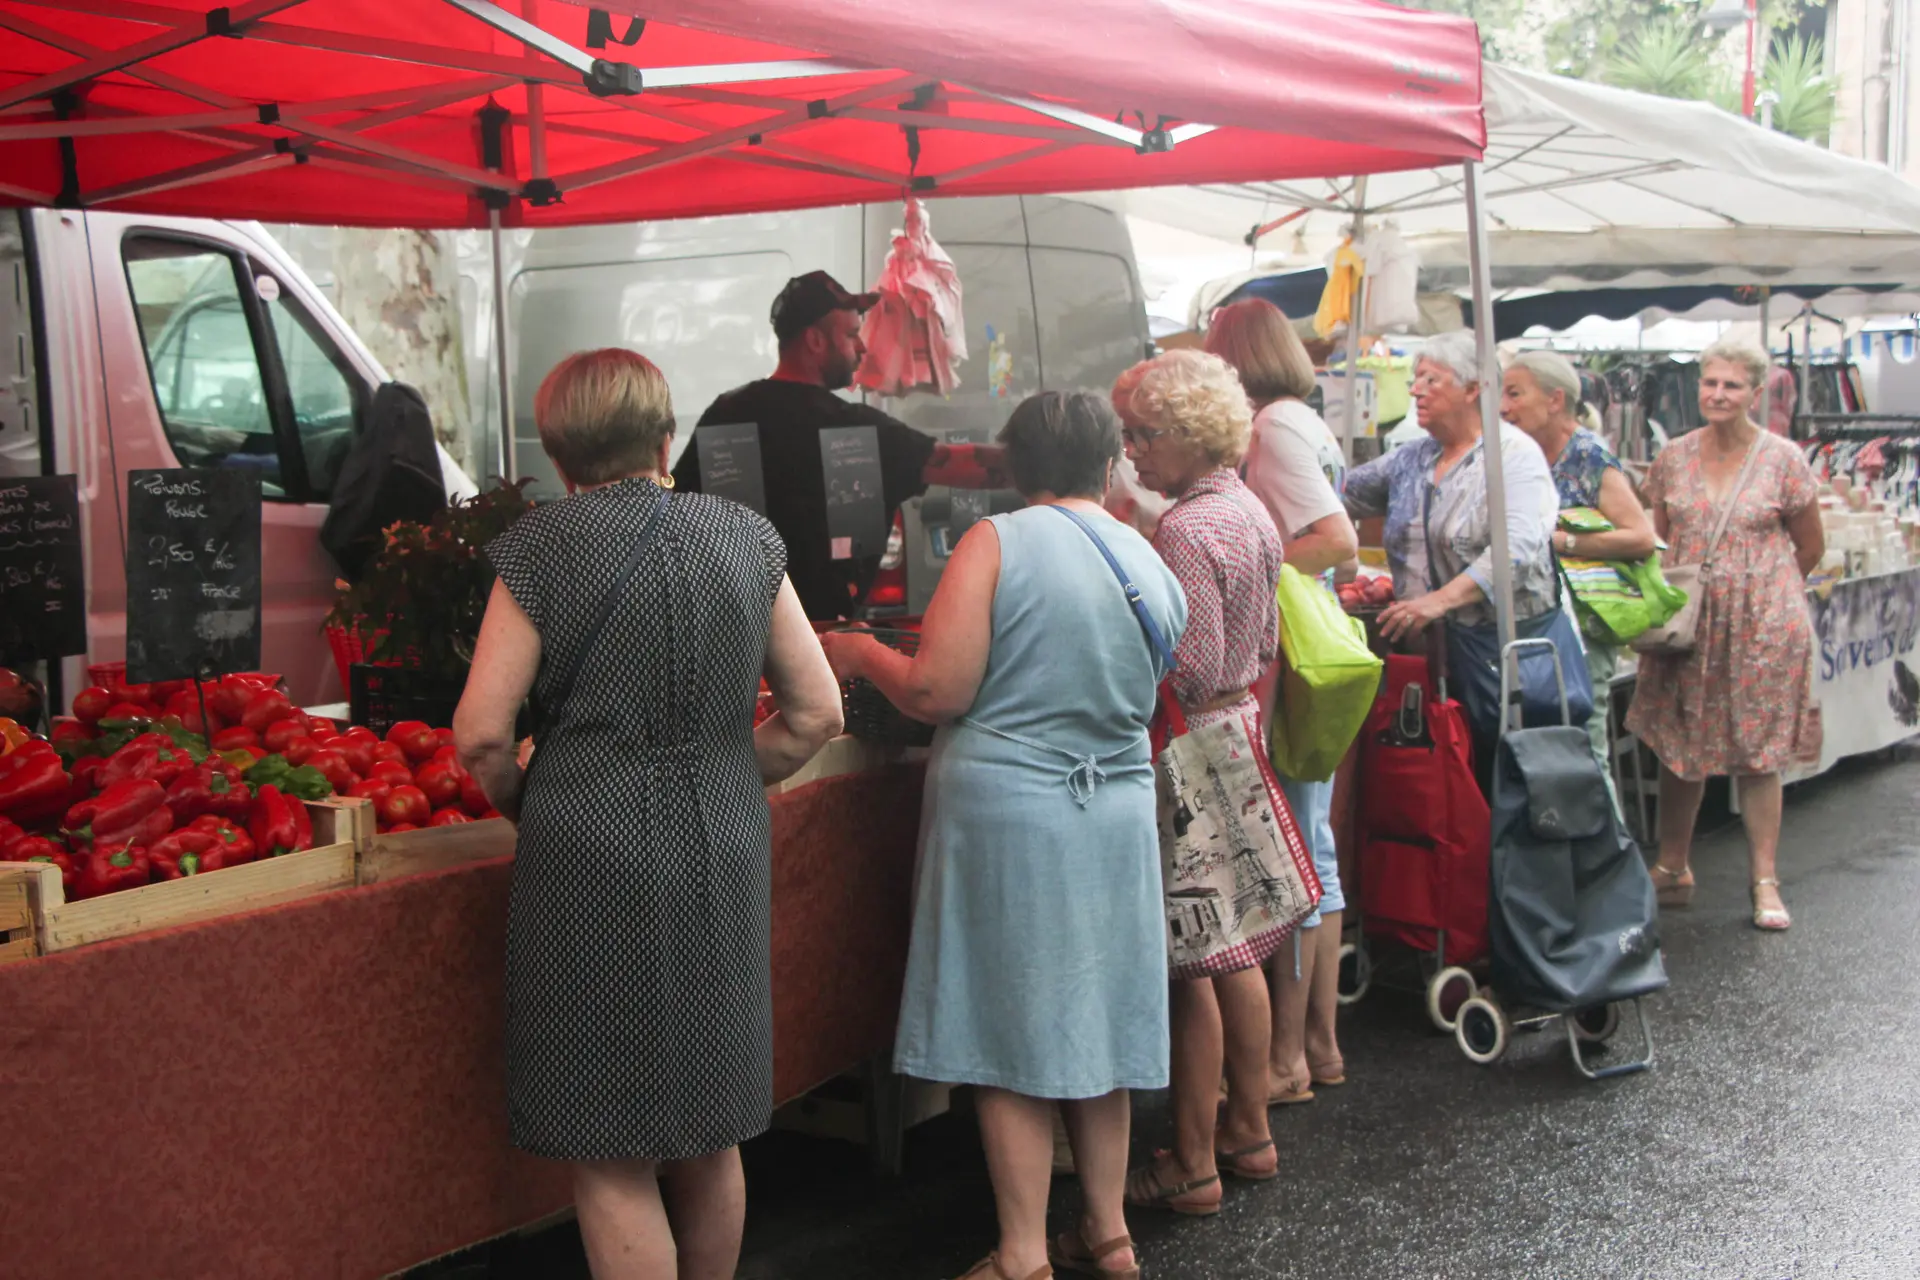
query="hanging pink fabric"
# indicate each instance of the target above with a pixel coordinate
(916, 336)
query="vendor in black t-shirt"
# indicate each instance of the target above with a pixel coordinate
(818, 325)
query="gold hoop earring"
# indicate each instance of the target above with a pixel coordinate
(666, 481)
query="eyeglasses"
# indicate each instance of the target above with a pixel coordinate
(1140, 438)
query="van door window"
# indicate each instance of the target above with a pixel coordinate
(206, 371)
(321, 387)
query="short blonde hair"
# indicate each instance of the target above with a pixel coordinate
(1258, 340)
(1743, 354)
(1199, 396)
(603, 415)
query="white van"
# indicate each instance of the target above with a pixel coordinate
(1052, 299)
(131, 342)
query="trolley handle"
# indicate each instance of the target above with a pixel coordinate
(1512, 695)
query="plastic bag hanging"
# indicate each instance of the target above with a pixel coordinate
(1344, 268)
(916, 336)
(1393, 282)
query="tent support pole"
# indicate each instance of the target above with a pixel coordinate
(1490, 407)
(1350, 385)
(509, 470)
(1766, 349)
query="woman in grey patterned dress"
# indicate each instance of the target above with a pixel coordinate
(639, 1007)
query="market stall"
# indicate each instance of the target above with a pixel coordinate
(349, 1043)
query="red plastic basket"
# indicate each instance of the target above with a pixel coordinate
(108, 675)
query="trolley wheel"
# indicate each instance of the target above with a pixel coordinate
(1482, 1030)
(1356, 972)
(1449, 989)
(1596, 1025)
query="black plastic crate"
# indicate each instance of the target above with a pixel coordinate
(381, 697)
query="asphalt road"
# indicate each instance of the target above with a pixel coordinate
(1777, 1136)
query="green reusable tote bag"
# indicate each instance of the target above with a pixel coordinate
(1328, 680)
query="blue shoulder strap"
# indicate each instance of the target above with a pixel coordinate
(1138, 605)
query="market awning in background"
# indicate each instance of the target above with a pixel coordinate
(418, 112)
(1588, 186)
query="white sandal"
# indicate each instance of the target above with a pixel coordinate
(1770, 919)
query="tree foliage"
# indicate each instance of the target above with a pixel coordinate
(1657, 46)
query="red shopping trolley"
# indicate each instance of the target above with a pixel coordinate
(1423, 832)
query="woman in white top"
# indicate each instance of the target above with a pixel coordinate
(1295, 467)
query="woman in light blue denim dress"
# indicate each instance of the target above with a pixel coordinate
(1038, 964)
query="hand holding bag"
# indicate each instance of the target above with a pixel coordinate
(1677, 635)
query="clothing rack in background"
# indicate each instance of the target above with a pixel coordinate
(1879, 453)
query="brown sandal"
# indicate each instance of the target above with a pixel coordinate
(1670, 888)
(1070, 1253)
(990, 1267)
(1145, 1190)
(1231, 1162)
(1329, 1075)
(1290, 1097)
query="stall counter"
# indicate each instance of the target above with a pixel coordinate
(317, 1088)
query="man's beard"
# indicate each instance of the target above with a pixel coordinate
(836, 374)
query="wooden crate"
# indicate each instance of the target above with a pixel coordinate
(59, 925)
(17, 937)
(412, 853)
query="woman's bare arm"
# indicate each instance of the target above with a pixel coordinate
(1809, 538)
(804, 690)
(1327, 543)
(1631, 537)
(941, 681)
(506, 659)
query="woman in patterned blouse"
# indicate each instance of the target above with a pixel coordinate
(1439, 535)
(1188, 424)
(1541, 396)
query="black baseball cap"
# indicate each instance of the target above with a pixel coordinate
(811, 298)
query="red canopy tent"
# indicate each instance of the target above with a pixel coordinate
(429, 112)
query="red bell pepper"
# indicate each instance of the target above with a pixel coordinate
(214, 787)
(86, 778)
(374, 789)
(280, 824)
(393, 771)
(281, 732)
(404, 805)
(68, 732)
(358, 752)
(299, 750)
(110, 870)
(260, 708)
(333, 765)
(10, 831)
(238, 736)
(149, 757)
(90, 705)
(210, 844)
(473, 798)
(416, 738)
(34, 786)
(126, 813)
(441, 780)
(131, 711)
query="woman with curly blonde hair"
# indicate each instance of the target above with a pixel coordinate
(1189, 424)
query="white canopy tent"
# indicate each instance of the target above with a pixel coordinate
(1588, 186)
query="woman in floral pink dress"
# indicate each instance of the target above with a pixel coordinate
(1741, 704)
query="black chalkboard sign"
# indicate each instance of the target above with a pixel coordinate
(43, 601)
(730, 463)
(193, 573)
(855, 497)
